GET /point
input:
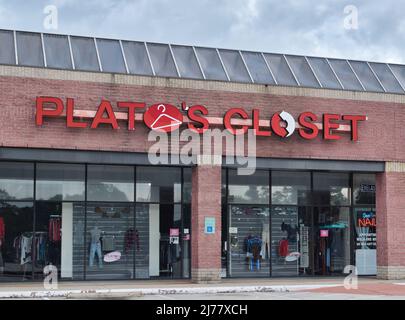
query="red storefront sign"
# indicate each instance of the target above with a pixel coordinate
(166, 118)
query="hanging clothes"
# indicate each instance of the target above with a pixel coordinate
(54, 229)
(283, 248)
(2, 229)
(131, 239)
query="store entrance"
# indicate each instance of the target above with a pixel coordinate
(331, 240)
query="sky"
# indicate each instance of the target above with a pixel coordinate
(365, 29)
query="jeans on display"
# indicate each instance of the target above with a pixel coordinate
(95, 247)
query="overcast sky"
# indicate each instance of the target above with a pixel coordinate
(310, 27)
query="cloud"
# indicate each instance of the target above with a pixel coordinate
(306, 27)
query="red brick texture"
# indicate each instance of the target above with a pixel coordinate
(391, 224)
(380, 138)
(206, 202)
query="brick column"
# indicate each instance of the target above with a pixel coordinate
(391, 222)
(206, 202)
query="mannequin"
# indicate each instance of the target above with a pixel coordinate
(95, 247)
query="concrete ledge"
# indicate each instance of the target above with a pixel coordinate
(122, 293)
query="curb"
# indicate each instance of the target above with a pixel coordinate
(153, 291)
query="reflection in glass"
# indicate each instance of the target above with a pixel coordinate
(302, 71)
(386, 77)
(137, 58)
(257, 67)
(187, 62)
(162, 60)
(110, 183)
(364, 188)
(84, 54)
(290, 187)
(211, 64)
(7, 55)
(253, 189)
(111, 56)
(29, 49)
(331, 188)
(16, 181)
(155, 184)
(60, 181)
(234, 65)
(57, 51)
(324, 73)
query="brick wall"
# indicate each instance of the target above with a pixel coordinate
(391, 222)
(206, 202)
(381, 137)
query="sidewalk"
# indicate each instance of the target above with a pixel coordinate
(125, 289)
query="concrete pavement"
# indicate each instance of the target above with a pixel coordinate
(184, 289)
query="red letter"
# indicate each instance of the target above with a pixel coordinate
(105, 105)
(308, 125)
(227, 120)
(327, 126)
(39, 117)
(196, 118)
(131, 111)
(354, 127)
(69, 115)
(256, 126)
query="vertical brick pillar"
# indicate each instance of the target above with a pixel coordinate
(391, 221)
(206, 202)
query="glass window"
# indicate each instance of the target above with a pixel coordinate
(399, 72)
(345, 74)
(158, 184)
(280, 69)
(258, 68)
(7, 54)
(386, 77)
(248, 241)
(324, 73)
(162, 60)
(234, 65)
(331, 188)
(365, 240)
(137, 58)
(59, 231)
(29, 49)
(187, 62)
(252, 189)
(57, 51)
(111, 56)
(331, 240)
(290, 187)
(187, 185)
(366, 76)
(110, 183)
(60, 182)
(302, 71)
(16, 222)
(285, 251)
(211, 64)
(84, 54)
(16, 181)
(364, 189)
(111, 241)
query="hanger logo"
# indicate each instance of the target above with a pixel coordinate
(163, 117)
(276, 121)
